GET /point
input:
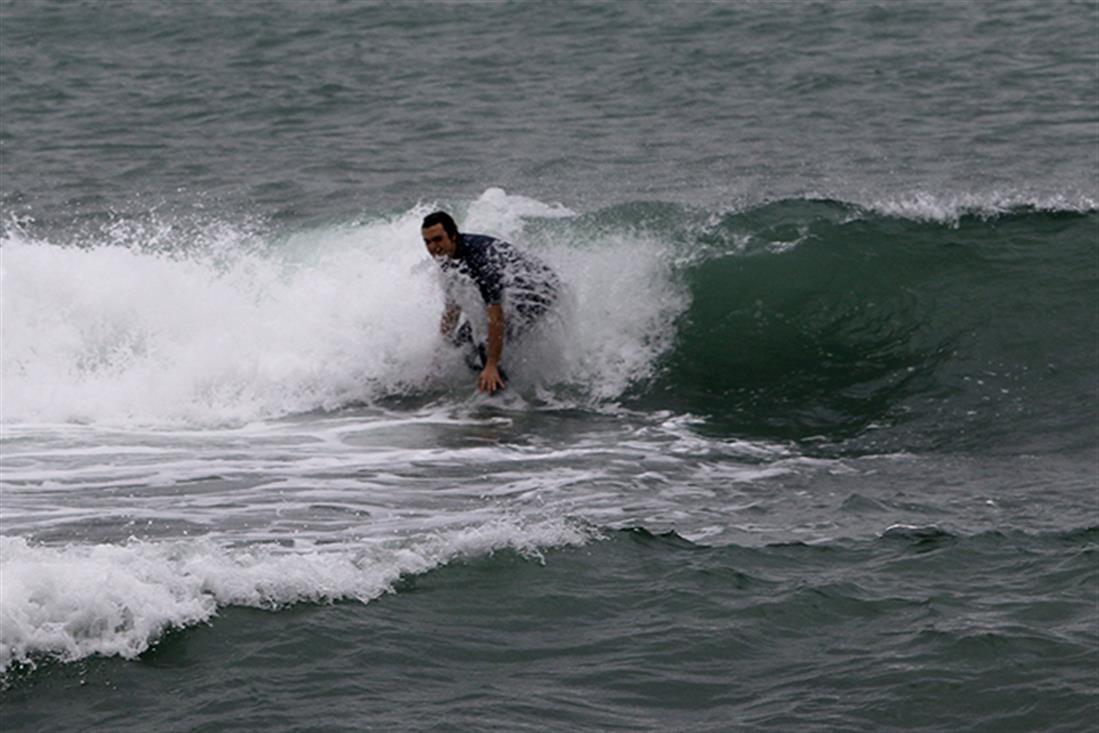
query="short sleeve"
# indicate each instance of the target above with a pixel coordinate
(488, 275)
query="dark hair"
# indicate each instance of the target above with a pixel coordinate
(441, 217)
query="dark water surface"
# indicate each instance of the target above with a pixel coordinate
(811, 445)
(327, 107)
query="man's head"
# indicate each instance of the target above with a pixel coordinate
(440, 234)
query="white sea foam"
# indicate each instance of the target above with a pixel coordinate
(76, 601)
(623, 309)
(950, 208)
(136, 327)
(111, 333)
(503, 214)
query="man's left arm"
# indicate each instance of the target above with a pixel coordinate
(490, 379)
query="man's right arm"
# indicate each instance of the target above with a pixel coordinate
(450, 319)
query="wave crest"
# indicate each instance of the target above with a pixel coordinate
(118, 600)
(793, 319)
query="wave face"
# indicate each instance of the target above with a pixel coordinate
(918, 322)
(820, 318)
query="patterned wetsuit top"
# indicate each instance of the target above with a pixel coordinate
(501, 272)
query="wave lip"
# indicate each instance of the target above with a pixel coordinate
(922, 206)
(73, 602)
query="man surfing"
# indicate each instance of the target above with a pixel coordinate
(517, 290)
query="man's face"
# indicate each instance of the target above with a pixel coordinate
(438, 242)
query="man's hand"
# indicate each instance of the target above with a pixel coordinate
(490, 380)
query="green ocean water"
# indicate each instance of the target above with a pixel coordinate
(812, 444)
(678, 635)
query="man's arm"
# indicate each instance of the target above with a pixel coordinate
(449, 319)
(490, 380)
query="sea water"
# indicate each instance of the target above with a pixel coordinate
(811, 444)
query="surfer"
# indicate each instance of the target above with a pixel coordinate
(517, 290)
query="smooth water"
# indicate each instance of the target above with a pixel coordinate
(812, 444)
